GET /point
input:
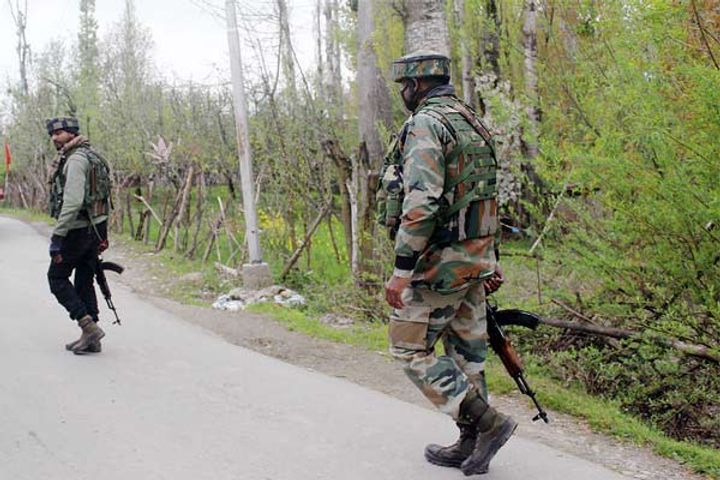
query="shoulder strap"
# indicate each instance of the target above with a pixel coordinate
(472, 119)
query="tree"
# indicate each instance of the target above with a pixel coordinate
(467, 74)
(426, 26)
(374, 116)
(87, 82)
(374, 111)
(530, 74)
(19, 16)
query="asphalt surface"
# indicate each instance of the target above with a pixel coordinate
(169, 400)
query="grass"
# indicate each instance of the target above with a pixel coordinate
(26, 215)
(370, 336)
(606, 416)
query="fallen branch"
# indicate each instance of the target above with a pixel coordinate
(700, 351)
(610, 341)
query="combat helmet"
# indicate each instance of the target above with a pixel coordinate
(69, 124)
(421, 63)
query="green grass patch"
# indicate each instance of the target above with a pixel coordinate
(371, 336)
(606, 416)
(26, 215)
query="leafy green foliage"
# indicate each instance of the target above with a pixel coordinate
(631, 128)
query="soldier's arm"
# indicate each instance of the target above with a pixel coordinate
(424, 176)
(74, 193)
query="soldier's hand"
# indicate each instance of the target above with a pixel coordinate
(55, 248)
(394, 289)
(493, 283)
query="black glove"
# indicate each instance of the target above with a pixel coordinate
(56, 242)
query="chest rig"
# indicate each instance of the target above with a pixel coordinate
(98, 185)
(469, 201)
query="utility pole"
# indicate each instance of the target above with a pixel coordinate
(256, 274)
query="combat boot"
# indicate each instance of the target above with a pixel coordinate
(453, 455)
(95, 347)
(91, 334)
(494, 430)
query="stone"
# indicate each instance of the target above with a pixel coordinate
(256, 275)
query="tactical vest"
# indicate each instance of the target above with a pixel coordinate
(98, 185)
(469, 200)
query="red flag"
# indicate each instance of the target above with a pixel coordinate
(8, 157)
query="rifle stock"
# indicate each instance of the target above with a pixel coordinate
(101, 280)
(501, 345)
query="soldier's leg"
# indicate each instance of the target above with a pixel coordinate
(85, 283)
(467, 334)
(59, 277)
(85, 288)
(466, 338)
(414, 331)
(464, 341)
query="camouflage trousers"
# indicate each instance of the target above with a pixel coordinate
(458, 320)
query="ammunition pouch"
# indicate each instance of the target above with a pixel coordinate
(391, 193)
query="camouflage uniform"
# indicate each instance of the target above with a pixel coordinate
(458, 320)
(442, 170)
(447, 256)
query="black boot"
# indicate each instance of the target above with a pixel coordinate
(494, 430)
(453, 455)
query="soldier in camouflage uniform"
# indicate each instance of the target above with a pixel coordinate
(80, 201)
(438, 198)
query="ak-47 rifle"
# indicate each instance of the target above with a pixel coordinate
(500, 343)
(100, 267)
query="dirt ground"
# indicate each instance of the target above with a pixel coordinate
(377, 371)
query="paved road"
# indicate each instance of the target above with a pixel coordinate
(168, 400)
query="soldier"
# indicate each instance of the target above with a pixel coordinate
(80, 201)
(438, 197)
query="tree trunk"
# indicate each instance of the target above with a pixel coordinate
(149, 197)
(374, 114)
(286, 52)
(373, 94)
(184, 204)
(531, 79)
(190, 253)
(352, 189)
(318, 44)
(491, 40)
(333, 57)
(343, 166)
(426, 26)
(467, 74)
(23, 48)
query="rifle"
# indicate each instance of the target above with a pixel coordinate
(100, 267)
(504, 349)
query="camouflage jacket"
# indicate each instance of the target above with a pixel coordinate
(424, 248)
(69, 177)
